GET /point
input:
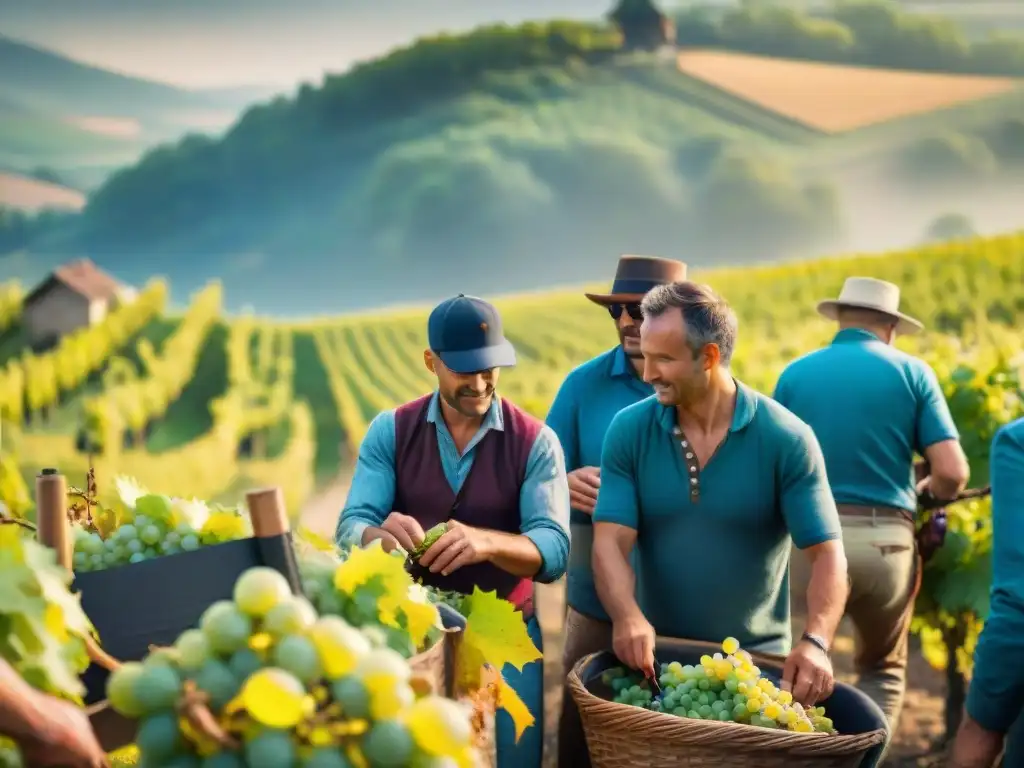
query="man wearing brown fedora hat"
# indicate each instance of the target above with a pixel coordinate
(585, 404)
(872, 408)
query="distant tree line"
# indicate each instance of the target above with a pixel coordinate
(872, 33)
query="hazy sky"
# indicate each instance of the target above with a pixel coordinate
(205, 43)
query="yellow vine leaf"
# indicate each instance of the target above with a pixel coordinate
(419, 617)
(315, 540)
(496, 633)
(366, 563)
(509, 700)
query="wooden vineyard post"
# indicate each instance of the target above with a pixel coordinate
(272, 531)
(52, 514)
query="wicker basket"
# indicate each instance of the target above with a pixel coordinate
(621, 734)
(431, 664)
(484, 732)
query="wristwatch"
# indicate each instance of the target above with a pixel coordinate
(816, 640)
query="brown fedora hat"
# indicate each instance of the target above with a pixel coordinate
(636, 275)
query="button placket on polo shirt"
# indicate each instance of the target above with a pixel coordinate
(692, 466)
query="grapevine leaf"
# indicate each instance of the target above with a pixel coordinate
(315, 540)
(509, 700)
(429, 538)
(496, 632)
(364, 564)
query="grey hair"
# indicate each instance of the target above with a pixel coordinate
(707, 318)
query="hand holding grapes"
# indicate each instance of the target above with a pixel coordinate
(808, 674)
(399, 530)
(633, 642)
(458, 546)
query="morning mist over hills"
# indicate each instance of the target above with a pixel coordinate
(494, 159)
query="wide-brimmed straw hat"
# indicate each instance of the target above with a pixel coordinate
(869, 293)
(636, 275)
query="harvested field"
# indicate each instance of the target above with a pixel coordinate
(32, 195)
(835, 98)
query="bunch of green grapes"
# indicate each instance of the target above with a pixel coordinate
(284, 687)
(155, 526)
(728, 688)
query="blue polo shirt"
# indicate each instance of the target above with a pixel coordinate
(996, 695)
(872, 407)
(586, 402)
(714, 542)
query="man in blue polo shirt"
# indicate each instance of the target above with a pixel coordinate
(995, 698)
(712, 481)
(589, 397)
(872, 408)
(494, 473)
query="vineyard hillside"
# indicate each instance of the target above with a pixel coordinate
(202, 404)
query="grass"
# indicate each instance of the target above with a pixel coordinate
(834, 98)
(189, 416)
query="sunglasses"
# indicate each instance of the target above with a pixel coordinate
(633, 310)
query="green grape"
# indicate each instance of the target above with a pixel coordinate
(218, 681)
(298, 655)
(158, 687)
(133, 546)
(259, 589)
(182, 761)
(326, 757)
(193, 649)
(270, 749)
(352, 695)
(244, 662)
(190, 542)
(224, 760)
(225, 626)
(158, 737)
(154, 507)
(121, 689)
(150, 534)
(136, 557)
(388, 744)
(289, 617)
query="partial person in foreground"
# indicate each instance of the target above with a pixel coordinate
(994, 714)
(583, 408)
(872, 408)
(712, 482)
(48, 731)
(495, 473)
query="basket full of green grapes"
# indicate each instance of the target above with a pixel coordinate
(265, 682)
(718, 706)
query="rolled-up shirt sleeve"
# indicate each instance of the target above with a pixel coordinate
(372, 493)
(996, 692)
(544, 506)
(618, 500)
(804, 493)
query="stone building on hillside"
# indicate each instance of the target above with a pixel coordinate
(76, 295)
(642, 25)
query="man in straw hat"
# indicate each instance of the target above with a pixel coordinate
(496, 475)
(589, 397)
(872, 408)
(713, 482)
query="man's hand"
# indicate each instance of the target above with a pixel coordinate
(584, 484)
(397, 530)
(808, 674)
(65, 740)
(975, 747)
(633, 642)
(458, 546)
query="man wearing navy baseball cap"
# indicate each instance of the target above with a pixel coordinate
(493, 472)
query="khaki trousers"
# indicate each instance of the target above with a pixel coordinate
(583, 636)
(881, 554)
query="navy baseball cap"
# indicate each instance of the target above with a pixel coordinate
(466, 333)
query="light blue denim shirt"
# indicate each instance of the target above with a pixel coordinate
(543, 498)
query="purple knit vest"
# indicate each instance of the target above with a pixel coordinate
(489, 496)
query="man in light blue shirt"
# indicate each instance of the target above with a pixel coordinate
(586, 402)
(872, 407)
(492, 472)
(995, 698)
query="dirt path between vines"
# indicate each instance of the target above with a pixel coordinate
(920, 724)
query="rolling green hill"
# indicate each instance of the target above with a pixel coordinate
(489, 159)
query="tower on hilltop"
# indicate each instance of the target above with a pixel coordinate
(642, 25)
